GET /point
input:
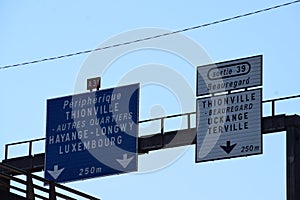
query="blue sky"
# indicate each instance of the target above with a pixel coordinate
(33, 30)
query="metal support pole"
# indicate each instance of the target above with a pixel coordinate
(6, 151)
(29, 187)
(4, 184)
(293, 163)
(189, 120)
(30, 148)
(52, 193)
(162, 131)
(273, 108)
(162, 123)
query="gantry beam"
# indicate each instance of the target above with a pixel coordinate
(277, 123)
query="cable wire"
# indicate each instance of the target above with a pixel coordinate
(151, 37)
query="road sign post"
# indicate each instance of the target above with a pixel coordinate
(92, 134)
(293, 162)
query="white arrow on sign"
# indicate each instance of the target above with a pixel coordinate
(125, 161)
(56, 172)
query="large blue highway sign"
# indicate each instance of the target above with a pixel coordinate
(92, 134)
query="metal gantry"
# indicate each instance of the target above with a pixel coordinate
(186, 136)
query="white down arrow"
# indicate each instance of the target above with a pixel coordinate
(125, 161)
(56, 172)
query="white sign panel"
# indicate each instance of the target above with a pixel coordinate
(229, 75)
(229, 125)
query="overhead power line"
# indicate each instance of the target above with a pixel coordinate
(151, 37)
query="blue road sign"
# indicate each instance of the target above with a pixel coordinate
(92, 134)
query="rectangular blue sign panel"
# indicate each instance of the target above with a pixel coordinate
(92, 134)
